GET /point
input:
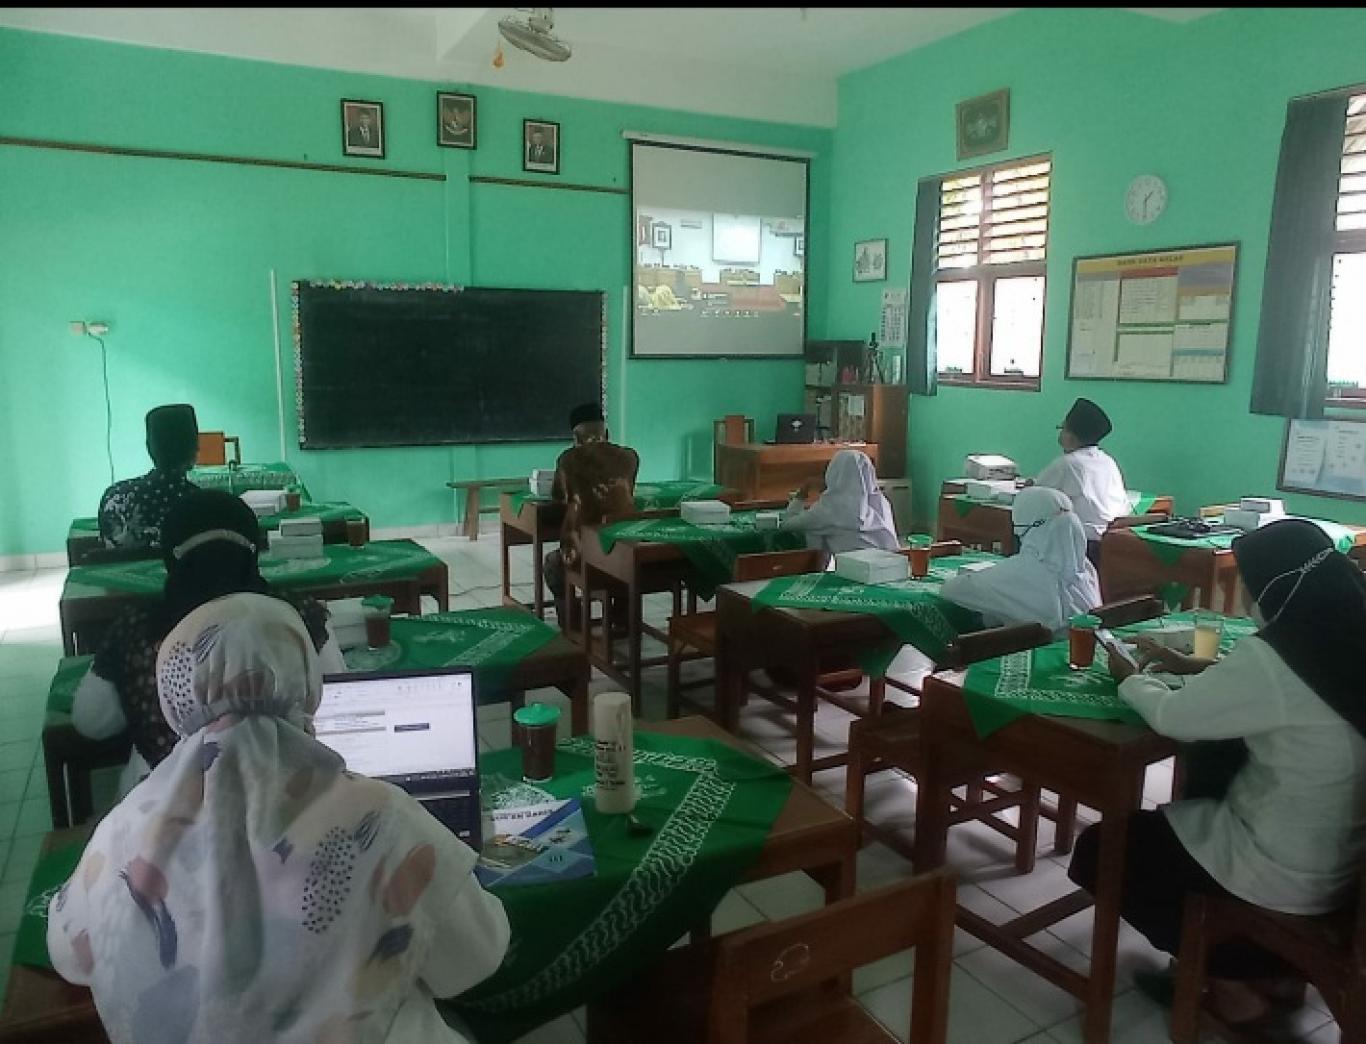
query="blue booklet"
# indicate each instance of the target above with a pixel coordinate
(536, 844)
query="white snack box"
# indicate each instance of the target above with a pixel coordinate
(768, 519)
(346, 620)
(990, 466)
(975, 567)
(264, 501)
(1180, 637)
(872, 566)
(301, 527)
(296, 547)
(542, 481)
(1262, 505)
(705, 512)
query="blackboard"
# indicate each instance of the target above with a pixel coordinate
(421, 365)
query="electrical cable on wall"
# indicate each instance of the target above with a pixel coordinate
(108, 407)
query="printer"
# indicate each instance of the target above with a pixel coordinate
(1254, 512)
(989, 466)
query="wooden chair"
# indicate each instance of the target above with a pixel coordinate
(893, 741)
(69, 759)
(213, 448)
(697, 631)
(1329, 951)
(787, 982)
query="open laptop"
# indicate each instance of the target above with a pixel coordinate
(413, 729)
(795, 428)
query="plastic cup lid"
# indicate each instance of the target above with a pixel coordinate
(920, 540)
(537, 714)
(1086, 620)
(377, 602)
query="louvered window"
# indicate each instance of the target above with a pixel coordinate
(1347, 323)
(989, 293)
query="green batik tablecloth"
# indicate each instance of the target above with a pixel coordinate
(242, 477)
(492, 641)
(50, 873)
(329, 511)
(61, 694)
(1169, 549)
(340, 564)
(650, 496)
(711, 549)
(1038, 681)
(911, 609)
(711, 808)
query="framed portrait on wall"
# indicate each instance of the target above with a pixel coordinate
(983, 124)
(541, 146)
(798, 246)
(455, 121)
(663, 236)
(870, 260)
(362, 128)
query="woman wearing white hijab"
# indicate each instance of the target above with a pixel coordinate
(250, 888)
(851, 514)
(1048, 581)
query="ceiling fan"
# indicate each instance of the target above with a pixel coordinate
(535, 33)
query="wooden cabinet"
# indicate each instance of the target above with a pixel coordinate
(874, 413)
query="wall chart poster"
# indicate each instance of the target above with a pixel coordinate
(1164, 315)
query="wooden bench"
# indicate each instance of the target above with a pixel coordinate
(472, 488)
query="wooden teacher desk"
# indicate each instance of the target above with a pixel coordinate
(759, 471)
(809, 835)
(1100, 763)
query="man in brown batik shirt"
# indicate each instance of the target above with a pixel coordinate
(593, 479)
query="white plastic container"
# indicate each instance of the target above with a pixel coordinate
(705, 512)
(614, 753)
(872, 566)
(768, 519)
(990, 466)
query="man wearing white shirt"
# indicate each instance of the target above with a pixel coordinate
(1087, 474)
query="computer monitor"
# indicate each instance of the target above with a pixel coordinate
(795, 428)
(415, 729)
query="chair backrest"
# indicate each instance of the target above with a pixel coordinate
(733, 429)
(772, 961)
(975, 646)
(1129, 521)
(778, 563)
(1128, 610)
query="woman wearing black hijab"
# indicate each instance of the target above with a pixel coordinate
(1289, 831)
(210, 543)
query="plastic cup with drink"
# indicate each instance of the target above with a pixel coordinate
(534, 728)
(920, 554)
(1081, 641)
(356, 532)
(377, 610)
(293, 499)
(1209, 631)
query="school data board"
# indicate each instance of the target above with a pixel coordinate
(1158, 316)
(1326, 457)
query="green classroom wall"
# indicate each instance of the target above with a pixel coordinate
(177, 256)
(1110, 95)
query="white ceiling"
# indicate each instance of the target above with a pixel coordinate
(762, 63)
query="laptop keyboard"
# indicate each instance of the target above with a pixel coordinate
(460, 815)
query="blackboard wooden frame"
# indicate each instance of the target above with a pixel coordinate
(555, 415)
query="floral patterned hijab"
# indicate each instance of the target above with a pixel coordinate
(251, 888)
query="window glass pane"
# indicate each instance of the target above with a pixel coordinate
(1017, 327)
(955, 310)
(1347, 327)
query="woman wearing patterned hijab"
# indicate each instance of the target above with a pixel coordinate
(251, 888)
(1288, 833)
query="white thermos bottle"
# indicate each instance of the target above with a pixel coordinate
(614, 755)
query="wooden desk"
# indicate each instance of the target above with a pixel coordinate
(400, 569)
(809, 642)
(473, 509)
(1129, 566)
(1100, 763)
(809, 835)
(984, 525)
(762, 472)
(535, 522)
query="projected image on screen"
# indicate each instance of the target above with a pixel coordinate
(727, 278)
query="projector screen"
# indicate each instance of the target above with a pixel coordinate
(719, 252)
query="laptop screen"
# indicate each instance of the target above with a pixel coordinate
(408, 727)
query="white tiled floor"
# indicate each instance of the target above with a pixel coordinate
(993, 1001)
